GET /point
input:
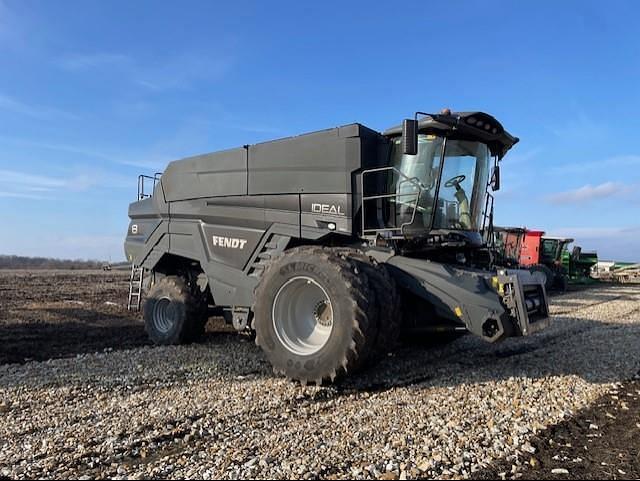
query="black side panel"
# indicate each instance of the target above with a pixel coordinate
(320, 210)
(209, 175)
(226, 234)
(230, 246)
(318, 162)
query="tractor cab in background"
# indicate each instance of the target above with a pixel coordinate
(547, 258)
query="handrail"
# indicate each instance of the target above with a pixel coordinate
(141, 184)
(488, 216)
(412, 180)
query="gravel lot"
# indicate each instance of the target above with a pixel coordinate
(213, 410)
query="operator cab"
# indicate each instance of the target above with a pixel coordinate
(450, 198)
(438, 173)
(551, 249)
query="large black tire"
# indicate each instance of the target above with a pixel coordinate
(387, 300)
(174, 312)
(562, 282)
(346, 345)
(545, 274)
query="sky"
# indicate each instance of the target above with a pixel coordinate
(93, 93)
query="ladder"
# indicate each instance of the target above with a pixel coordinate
(135, 288)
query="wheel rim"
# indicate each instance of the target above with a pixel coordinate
(164, 315)
(302, 316)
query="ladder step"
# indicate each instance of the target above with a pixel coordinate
(135, 288)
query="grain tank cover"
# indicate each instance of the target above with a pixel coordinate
(209, 175)
(318, 162)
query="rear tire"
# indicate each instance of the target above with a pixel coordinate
(312, 316)
(174, 313)
(546, 275)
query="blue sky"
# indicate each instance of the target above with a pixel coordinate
(94, 92)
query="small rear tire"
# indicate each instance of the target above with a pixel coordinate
(174, 313)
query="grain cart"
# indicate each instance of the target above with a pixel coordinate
(327, 244)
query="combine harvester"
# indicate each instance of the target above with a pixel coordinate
(326, 245)
(547, 258)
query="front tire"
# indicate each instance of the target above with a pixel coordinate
(544, 274)
(313, 319)
(174, 313)
(386, 298)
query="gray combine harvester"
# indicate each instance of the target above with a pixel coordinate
(328, 244)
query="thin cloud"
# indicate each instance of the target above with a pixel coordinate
(182, 71)
(72, 149)
(588, 193)
(524, 157)
(618, 161)
(580, 127)
(12, 177)
(596, 232)
(23, 195)
(79, 62)
(31, 186)
(39, 112)
(177, 72)
(147, 161)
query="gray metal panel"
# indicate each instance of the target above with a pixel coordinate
(237, 211)
(139, 246)
(230, 245)
(316, 162)
(283, 209)
(230, 286)
(147, 225)
(320, 210)
(208, 175)
(447, 287)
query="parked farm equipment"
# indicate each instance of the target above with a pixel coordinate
(548, 258)
(327, 244)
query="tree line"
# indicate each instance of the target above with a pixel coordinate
(20, 262)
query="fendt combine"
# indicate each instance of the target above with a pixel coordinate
(327, 245)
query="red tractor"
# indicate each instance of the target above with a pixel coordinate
(518, 247)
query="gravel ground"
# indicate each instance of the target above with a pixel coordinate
(213, 410)
(601, 442)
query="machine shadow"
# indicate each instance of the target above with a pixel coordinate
(469, 360)
(78, 331)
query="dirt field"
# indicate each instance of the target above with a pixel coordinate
(55, 314)
(83, 394)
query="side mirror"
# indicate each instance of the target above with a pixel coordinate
(409, 137)
(495, 178)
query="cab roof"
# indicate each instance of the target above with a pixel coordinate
(468, 126)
